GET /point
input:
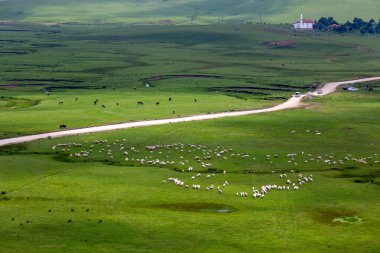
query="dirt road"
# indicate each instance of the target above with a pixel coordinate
(293, 102)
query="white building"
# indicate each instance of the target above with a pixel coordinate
(304, 24)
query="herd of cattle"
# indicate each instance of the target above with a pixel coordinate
(96, 102)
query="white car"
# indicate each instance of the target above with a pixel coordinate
(297, 94)
(319, 92)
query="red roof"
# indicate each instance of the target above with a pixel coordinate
(306, 21)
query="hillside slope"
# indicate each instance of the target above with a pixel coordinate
(199, 11)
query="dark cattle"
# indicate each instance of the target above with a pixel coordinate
(100, 221)
(195, 100)
(62, 126)
(117, 104)
(140, 103)
(170, 99)
(76, 99)
(157, 103)
(173, 112)
(103, 106)
(61, 102)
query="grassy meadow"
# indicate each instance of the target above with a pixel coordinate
(223, 68)
(85, 194)
(55, 202)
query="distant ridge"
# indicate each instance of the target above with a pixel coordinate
(184, 11)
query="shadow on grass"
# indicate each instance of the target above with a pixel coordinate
(197, 207)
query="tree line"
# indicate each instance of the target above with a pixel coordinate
(357, 24)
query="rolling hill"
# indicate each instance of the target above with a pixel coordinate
(183, 11)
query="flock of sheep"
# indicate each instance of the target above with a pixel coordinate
(257, 193)
(182, 156)
(198, 161)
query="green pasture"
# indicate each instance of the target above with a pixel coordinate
(223, 67)
(112, 201)
(57, 203)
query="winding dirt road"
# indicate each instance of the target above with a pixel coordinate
(293, 102)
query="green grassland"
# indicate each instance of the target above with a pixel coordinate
(224, 68)
(183, 12)
(54, 202)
